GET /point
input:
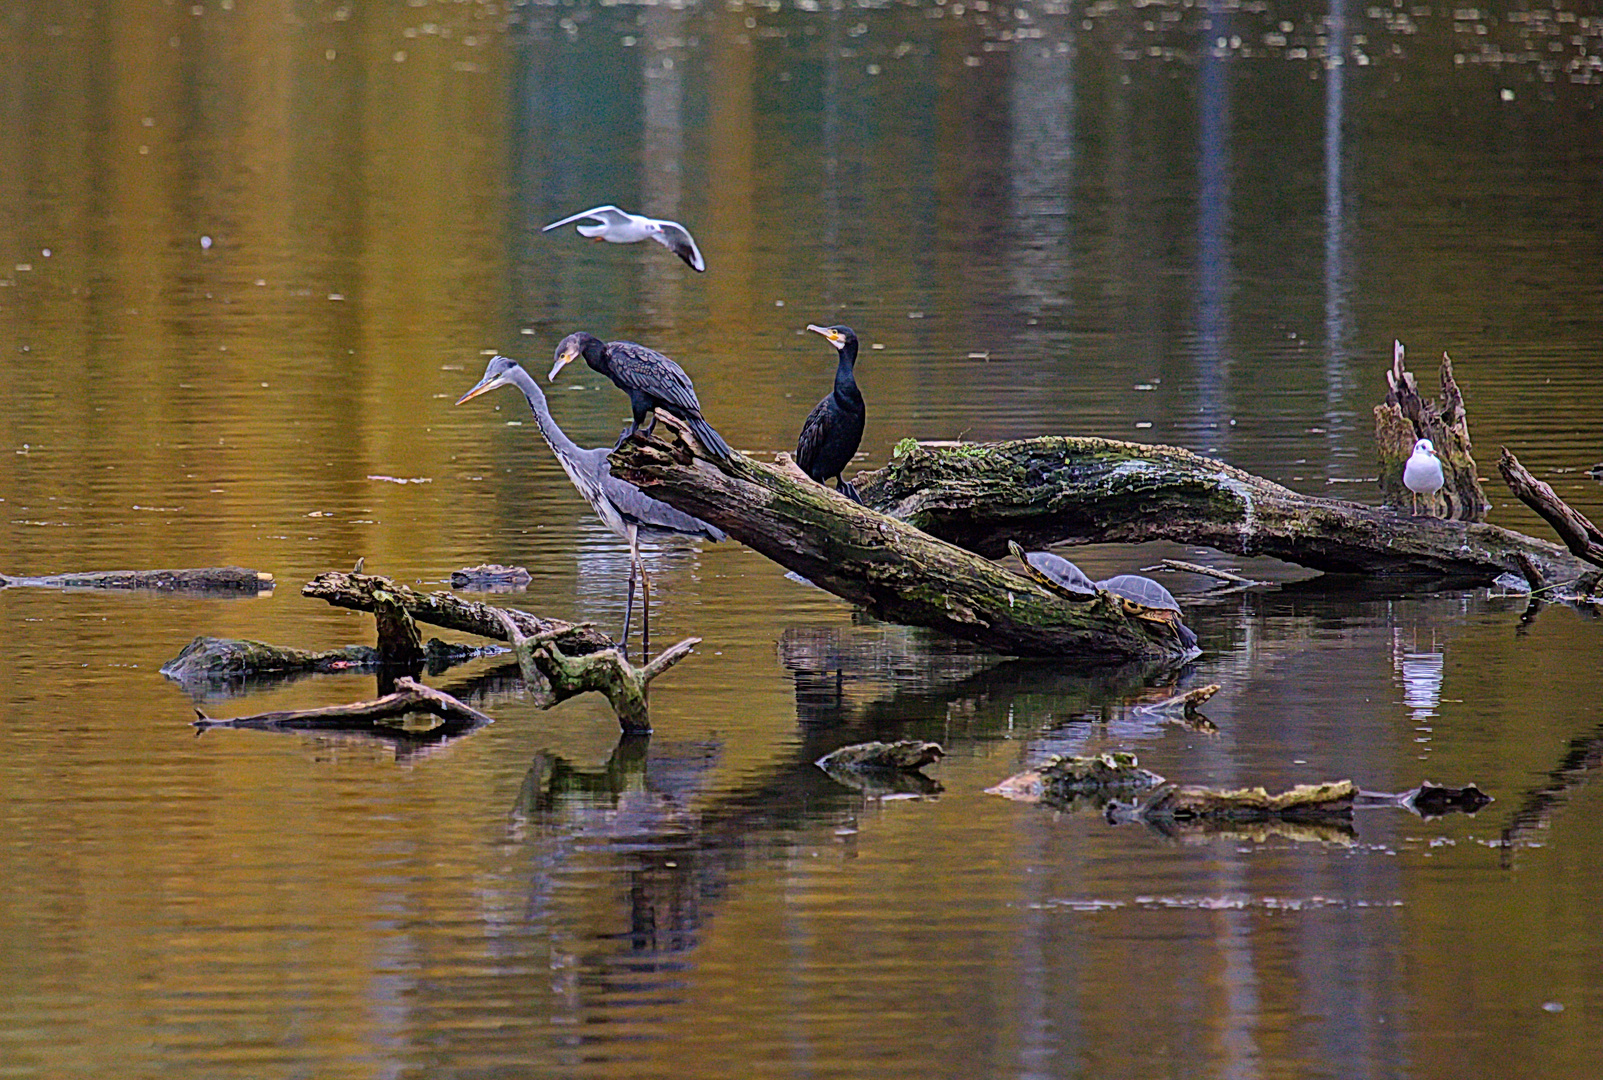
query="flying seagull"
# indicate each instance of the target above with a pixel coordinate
(621, 227)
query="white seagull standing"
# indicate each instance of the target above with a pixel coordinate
(1423, 473)
(621, 227)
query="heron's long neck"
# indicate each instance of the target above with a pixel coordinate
(542, 414)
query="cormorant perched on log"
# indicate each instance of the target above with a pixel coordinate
(651, 380)
(621, 506)
(831, 432)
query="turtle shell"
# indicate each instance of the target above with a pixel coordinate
(1056, 573)
(1140, 590)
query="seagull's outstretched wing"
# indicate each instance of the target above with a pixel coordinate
(677, 239)
(607, 215)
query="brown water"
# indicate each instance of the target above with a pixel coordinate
(251, 254)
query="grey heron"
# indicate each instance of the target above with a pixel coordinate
(621, 506)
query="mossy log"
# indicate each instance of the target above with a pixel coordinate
(1303, 802)
(359, 592)
(895, 570)
(1059, 489)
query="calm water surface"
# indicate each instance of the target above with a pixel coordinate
(248, 259)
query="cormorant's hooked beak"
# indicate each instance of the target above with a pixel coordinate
(564, 358)
(486, 384)
(836, 338)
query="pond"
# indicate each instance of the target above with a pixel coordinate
(252, 255)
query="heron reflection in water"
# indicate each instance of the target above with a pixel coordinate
(621, 506)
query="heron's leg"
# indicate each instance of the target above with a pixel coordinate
(628, 431)
(628, 609)
(629, 601)
(847, 489)
(645, 593)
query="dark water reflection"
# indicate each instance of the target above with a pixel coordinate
(248, 262)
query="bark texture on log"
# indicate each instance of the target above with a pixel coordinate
(233, 580)
(895, 570)
(1576, 530)
(1405, 417)
(358, 592)
(1059, 489)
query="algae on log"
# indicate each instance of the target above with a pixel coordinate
(1060, 489)
(893, 569)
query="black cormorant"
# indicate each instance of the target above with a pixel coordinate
(621, 506)
(651, 380)
(831, 432)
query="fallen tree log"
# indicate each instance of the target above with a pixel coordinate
(358, 592)
(1059, 489)
(217, 659)
(895, 570)
(234, 580)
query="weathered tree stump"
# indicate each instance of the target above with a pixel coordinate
(1406, 417)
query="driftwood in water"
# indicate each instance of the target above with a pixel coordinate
(356, 591)
(1067, 780)
(491, 577)
(408, 697)
(1583, 538)
(1057, 489)
(895, 570)
(1430, 800)
(1406, 417)
(234, 580)
(1304, 802)
(1188, 705)
(230, 658)
(907, 755)
(606, 672)
(564, 658)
